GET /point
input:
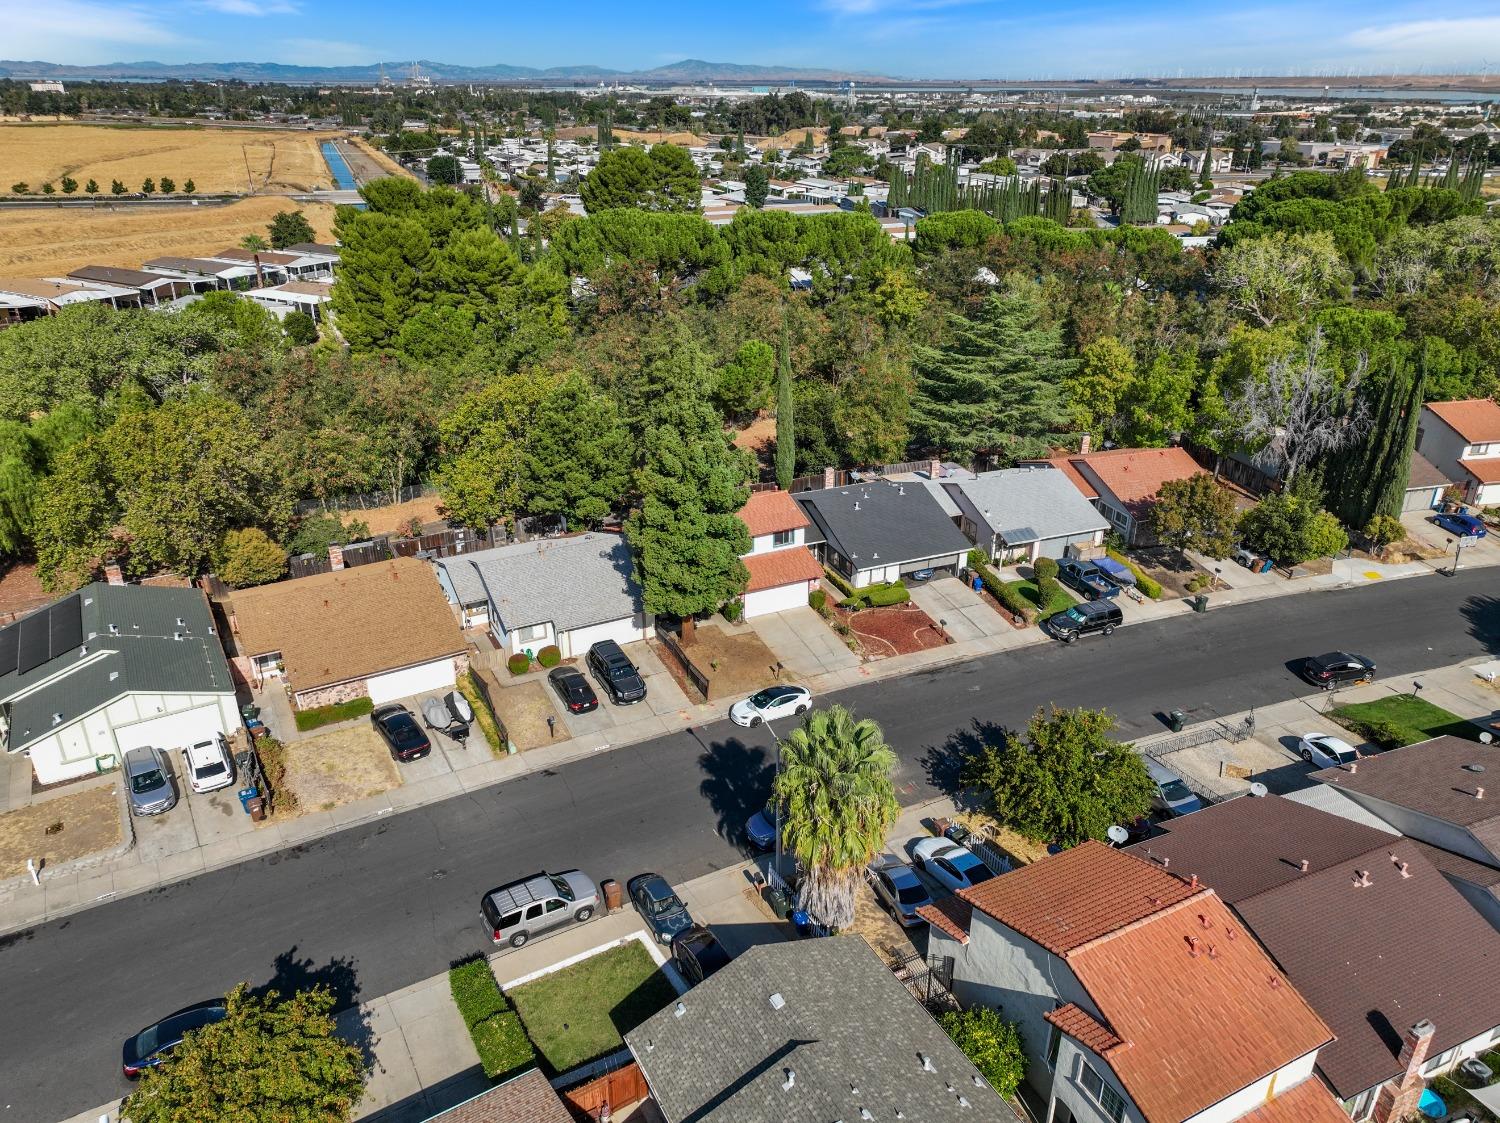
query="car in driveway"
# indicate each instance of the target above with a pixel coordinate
(1084, 578)
(1323, 750)
(518, 910)
(149, 781)
(1465, 526)
(616, 673)
(760, 830)
(1172, 796)
(208, 765)
(155, 1043)
(771, 703)
(572, 686)
(659, 906)
(1338, 668)
(955, 867)
(900, 890)
(400, 732)
(697, 953)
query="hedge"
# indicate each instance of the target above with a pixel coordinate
(499, 1037)
(1145, 584)
(733, 610)
(484, 717)
(877, 596)
(1009, 597)
(817, 600)
(519, 663)
(327, 715)
(475, 992)
(838, 582)
(549, 656)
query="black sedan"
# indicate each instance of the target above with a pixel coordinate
(1338, 668)
(401, 732)
(572, 686)
(155, 1043)
(697, 953)
(658, 905)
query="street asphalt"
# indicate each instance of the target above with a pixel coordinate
(376, 907)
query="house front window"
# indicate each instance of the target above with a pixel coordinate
(783, 538)
(1109, 1101)
(532, 634)
(1054, 1043)
(1360, 1106)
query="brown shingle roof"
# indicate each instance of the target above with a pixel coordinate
(1476, 420)
(1424, 473)
(527, 1098)
(952, 915)
(1458, 868)
(1071, 469)
(781, 567)
(350, 623)
(1308, 1102)
(1079, 895)
(114, 275)
(766, 512)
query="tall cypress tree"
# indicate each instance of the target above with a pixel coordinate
(786, 431)
(1386, 498)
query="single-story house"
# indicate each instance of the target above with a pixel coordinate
(203, 273)
(527, 1098)
(51, 296)
(572, 592)
(310, 297)
(153, 287)
(782, 569)
(288, 262)
(1123, 482)
(877, 531)
(1035, 510)
(108, 669)
(382, 630)
(1463, 440)
(1425, 484)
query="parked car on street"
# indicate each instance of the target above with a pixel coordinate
(661, 909)
(1086, 619)
(697, 953)
(760, 831)
(1338, 668)
(1323, 750)
(399, 730)
(519, 910)
(771, 703)
(616, 673)
(150, 781)
(155, 1043)
(954, 866)
(1084, 578)
(1465, 526)
(572, 686)
(900, 890)
(208, 765)
(1172, 796)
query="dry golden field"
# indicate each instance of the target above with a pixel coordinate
(234, 160)
(41, 242)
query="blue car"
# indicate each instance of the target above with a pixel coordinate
(1465, 526)
(760, 831)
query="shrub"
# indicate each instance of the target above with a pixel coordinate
(1009, 597)
(852, 604)
(733, 610)
(484, 717)
(992, 1043)
(475, 992)
(499, 1037)
(519, 663)
(879, 596)
(250, 557)
(272, 755)
(817, 600)
(1378, 731)
(1044, 569)
(300, 328)
(327, 715)
(1146, 585)
(977, 559)
(839, 583)
(549, 656)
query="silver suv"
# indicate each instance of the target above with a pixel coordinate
(516, 912)
(149, 781)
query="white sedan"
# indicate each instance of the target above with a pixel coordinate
(953, 865)
(1326, 751)
(771, 703)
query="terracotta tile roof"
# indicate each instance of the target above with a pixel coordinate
(1201, 1009)
(1424, 473)
(951, 915)
(1308, 1102)
(1067, 900)
(781, 567)
(350, 623)
(1069, 466)
(1135, 475)
(527, 1098)
(1483, 471)
(1476, 420)
(1084, 1028)
(766, 512)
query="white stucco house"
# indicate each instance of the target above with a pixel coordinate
(782, 569)
(1463, 440)
(108, 669)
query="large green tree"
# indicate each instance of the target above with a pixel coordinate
(839, 802)
(757, 185)
(1196, 512)
(270, 1060)
(577, 454)
(786, 427)
(483, 474)
(288, 228)
(661, 179)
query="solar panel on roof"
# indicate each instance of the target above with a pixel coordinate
(10, 640)
(34, 641)
(65, 626)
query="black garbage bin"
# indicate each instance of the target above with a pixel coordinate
(1200, 603)
(1175, 720)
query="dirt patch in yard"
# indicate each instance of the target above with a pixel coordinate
(396, 516)
(524, 707)
(90, 822)
(894, 630)
(736, 664)
(879, 930)
(339, 767)
(20, 591)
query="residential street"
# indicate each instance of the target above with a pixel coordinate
(377, 907)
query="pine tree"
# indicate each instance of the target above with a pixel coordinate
(786, 432)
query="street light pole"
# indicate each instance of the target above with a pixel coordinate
(776, 798)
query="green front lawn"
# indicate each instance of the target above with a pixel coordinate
(319, 716)
(1060, 602)
(1401, 720)
(584, 1011)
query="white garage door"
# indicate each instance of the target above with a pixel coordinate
(175, 731)
(579, 640)
(437, 675)
(776, 600)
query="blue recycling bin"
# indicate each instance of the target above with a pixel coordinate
(246, 795)
(978, 582)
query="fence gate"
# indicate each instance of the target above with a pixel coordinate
(615, 1090)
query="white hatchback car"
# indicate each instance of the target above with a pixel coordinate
(771, 703)
(1326, 751)
(208, 765)
(956, 867)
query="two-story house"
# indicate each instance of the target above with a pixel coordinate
(1139, 996)
(782, 568)
(1463, 440)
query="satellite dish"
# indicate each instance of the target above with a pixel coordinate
(1258, 790)
(1486, 738)
(1118, 835)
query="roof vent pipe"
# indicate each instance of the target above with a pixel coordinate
(791, 1079)
(927, 1063)
(1478, 793)
(1362, 879)
(1302, 865)
(679, 1010)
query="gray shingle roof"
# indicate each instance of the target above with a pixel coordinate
(879, 523)
(848, 1031)
(571, 582)
(1024, 505)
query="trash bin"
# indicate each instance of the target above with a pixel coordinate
(1200, 603)
(613, 897)
(1175, 720)
(246, 795)
(978, 583)
(249, 711)
(255, 806)
(776, 897)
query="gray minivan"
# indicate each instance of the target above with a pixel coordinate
(1102, 616)
(149, 781)
(516, 912)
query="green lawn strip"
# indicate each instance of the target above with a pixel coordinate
(1402, 719)
(327, 715)
(1061, 601)
(583, 1012)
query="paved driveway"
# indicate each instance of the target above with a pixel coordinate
(958, 608)
(803, 642)
(663, 696)
(1419, 525)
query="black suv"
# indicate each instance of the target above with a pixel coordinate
(616, 673)
(1084, 620)
(1337, 668)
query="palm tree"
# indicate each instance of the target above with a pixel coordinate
(835, 784)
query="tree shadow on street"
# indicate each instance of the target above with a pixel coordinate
(1483, 615)
(941, 763)
(291, 974)
(736, 782)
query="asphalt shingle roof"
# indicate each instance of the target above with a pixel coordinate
(847, 1030)
(879, 523)
(1027, 504)
(571, 582)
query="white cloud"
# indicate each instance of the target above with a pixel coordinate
(1432, 40)
(81, 31)
(250, 7)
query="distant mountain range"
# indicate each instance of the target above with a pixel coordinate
(688, 70)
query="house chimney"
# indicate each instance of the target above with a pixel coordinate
(1085, 444)
(113, 574)
(336, 557)
(1397, 1099)
(1192, 943)
(934, 469)
(830, 478)
(1193, 882)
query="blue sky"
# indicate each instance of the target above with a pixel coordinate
(917, 38)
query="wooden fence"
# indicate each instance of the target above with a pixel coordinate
(438, 544)
(615, 1090)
